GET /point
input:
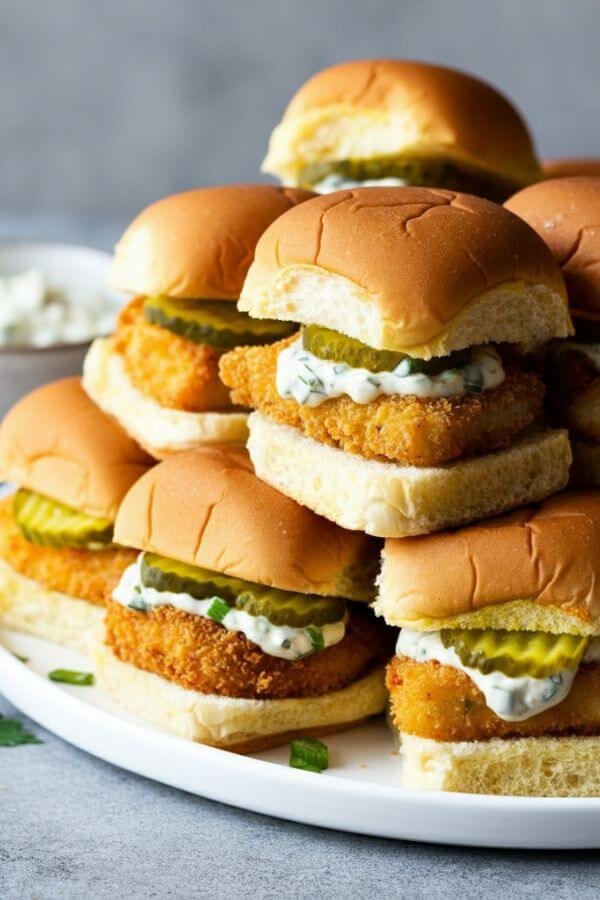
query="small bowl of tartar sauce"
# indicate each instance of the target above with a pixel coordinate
(53, 303)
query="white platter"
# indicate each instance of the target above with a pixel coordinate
(359, 792)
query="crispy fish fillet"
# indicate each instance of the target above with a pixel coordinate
(202, 655)
(90, 575)
(575, 394)
(440, 702)
(406, 430)
(168, 368)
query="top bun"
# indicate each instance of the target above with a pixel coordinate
(56, 442)
(416, 270)
(548, 555)
(565, 212)
(564, 168)
(207, 508)
(198, 244)
(369, 109)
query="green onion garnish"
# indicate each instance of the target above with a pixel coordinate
(23, 659)
(217, 610)
(68, 676)
(13, 734)
(316, 638)
(309, 754)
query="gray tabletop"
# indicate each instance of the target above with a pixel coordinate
(72, 826)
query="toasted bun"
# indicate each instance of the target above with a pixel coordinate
(524, 767)
(388, 500)
(207, 508)
(198, 244)
(28, 606)
(368, 109)
(547, 554)
(421, 271)
(161, 431)
(57, 442)
(242, 725)
(565, 212)
(564, 168)
(586, 464)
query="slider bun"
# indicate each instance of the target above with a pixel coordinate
(208, 508)
(548, 554)
(56, 442)
(563, 168)
(420, 271)
(233, 723)
(368, 109)
(198, 244)
(565, 212)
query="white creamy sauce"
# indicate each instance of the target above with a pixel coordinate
(592, 351)
(275, 640)
(35, 313)
(338, 183)
(512, 699)
(310, 380)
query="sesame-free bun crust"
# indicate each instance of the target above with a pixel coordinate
(208, 508)
(566, 167)
(548, 554)
(198, 244)
(416, 270)
(565, 212)
(368, 109)
(56, 442)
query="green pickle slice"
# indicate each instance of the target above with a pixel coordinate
(215, 322)
(279, 607)
(516, 653)
(52, 524)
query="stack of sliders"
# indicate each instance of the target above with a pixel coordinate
(390, 122)
(233, 627)
(184, 258)
(495, 687)
(72, 465)
(404, 405)
(565, 212)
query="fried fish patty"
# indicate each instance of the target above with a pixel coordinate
(170, 369)
(407, 430)
(575, 394)
(440, 702)
(202, 655)
(90, 575)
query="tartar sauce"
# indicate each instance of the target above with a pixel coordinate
(311, 380)
(275, 640)
(35, 313)
(338, 183)
(512, 699)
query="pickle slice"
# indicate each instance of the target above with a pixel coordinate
(516, 653)
(52, 524)
(279, 607)
(215, 322)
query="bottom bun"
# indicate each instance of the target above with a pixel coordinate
(523, 767)
(28, 606)
(586, 464)
(243, 725)
(159, 430)
(388, 500)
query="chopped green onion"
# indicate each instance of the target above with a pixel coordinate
(68, 676)
(23, 659)
(217, 610)
(13, 734)
(309, 754)
(316, 638)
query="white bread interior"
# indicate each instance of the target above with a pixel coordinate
(243, 725)
(28, 606)
(159, 430)
(387, 500)
(527, 767)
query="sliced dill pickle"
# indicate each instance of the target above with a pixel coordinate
(279, 607)
(516, 653)
(215, 322)
(52, 524)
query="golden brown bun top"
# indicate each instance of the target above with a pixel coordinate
(421, 256)
(473, 117)
(567, 167)
(549, 554)
(56, 442)
(207, 508)
(198, 244)
(565, 212)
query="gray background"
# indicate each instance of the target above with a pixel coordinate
(107, 105)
